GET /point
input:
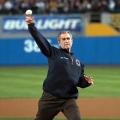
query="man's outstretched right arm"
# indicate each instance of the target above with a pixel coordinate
(41, 41)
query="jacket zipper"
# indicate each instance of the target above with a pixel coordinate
(71, 58)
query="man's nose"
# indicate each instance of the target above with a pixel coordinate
(66, 40)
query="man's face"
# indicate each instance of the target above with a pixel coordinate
(65, 40)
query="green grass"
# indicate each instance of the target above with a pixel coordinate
(106, 81)
(26, 81)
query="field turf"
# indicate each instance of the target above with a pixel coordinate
(26, 81)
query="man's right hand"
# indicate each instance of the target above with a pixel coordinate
(29, 19)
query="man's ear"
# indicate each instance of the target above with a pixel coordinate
(58, 42)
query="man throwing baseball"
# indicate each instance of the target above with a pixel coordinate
(65, 74)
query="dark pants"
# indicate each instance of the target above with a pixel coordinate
(49, 106)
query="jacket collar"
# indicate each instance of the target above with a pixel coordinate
(67, 51)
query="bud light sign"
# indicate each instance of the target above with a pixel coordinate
(45, 23)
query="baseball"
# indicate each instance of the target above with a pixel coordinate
(28, 12)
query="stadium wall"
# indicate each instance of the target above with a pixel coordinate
(90, 50)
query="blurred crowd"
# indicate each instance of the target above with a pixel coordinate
(58, 6)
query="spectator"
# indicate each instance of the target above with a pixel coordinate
(61, 6)
(1, 6)
(25, 4)
(41, 6)
(87, 5)
(58, 6)
(117, 6)
(111, 5)
(53, 6)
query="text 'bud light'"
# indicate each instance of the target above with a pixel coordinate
(44, 23)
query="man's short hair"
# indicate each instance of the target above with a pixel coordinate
(63, 32)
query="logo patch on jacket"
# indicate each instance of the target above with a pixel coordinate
(77, 62)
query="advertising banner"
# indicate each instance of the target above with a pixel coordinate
(45, 23)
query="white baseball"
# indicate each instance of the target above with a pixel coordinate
(28, 12)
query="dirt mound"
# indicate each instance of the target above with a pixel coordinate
(107, 107)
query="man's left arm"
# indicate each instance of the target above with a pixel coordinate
(84, 80)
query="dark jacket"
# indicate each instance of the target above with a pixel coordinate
(65, 72)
